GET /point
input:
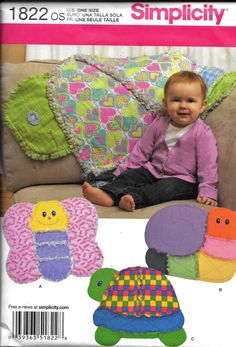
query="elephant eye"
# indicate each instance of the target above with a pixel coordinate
(53, 213)
(44, 214)
(227, 221)
(99, 283)
(218, 220)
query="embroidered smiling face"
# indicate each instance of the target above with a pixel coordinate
(48, 215)
(222, 224)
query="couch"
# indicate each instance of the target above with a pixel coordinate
(32, 180)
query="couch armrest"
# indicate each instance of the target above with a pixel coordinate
(222, 121)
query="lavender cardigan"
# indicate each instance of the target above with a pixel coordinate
(193, 158)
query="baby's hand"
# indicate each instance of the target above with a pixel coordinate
(206, 201)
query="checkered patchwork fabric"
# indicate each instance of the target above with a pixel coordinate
(140, 291)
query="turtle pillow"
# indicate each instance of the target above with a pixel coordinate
(137, 302)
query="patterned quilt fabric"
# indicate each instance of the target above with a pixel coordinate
(104, 105)
(139, 291)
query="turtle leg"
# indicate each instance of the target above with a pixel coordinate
(173, 338)
(107, 337)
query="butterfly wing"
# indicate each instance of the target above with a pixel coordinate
(21, 262)
(82, 229)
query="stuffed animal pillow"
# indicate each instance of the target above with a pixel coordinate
(136, 302)
(186, 241)
(51, 239)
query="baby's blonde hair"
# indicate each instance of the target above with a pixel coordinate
(186, 76)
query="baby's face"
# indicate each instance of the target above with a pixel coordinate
(184, 102)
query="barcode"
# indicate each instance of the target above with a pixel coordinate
(34, 323)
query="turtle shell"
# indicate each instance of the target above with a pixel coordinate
(140, 291)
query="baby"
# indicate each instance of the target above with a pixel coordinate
(175, 159)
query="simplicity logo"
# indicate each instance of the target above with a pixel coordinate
(187, 12)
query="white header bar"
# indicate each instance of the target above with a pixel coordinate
(132, 13)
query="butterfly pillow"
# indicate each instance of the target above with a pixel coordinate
(51, 239)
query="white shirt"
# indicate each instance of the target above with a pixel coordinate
(173, 134)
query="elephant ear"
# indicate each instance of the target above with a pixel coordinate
(178, 230)
(31, 120)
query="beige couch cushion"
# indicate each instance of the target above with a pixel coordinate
(66, 191)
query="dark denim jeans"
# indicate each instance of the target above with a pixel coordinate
(147, 190)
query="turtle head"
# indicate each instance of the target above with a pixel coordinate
(99, 282)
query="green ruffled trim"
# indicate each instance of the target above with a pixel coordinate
(88, 168)
(7, 114)
(219, 91)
